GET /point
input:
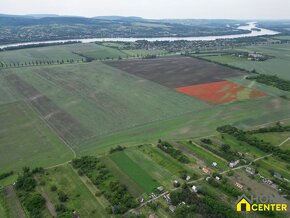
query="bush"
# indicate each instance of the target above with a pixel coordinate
(62, 196)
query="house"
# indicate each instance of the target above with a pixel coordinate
(176, 184)
(277, 175)
(217, 178)
(160, 188)
(250, 170)
(243, 204)
(187, 178)
(205, 170)
(194, 188)
(172, 208)
(214, 164)
(234, 163)
(239, 185)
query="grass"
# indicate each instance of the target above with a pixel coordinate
(6, 95)
(49, 53)
(134, 171)
(275, 138)
(206, 156)
(11, 203)
(274, 164)
(132, 186)
(101, 52)
(101, 98)
(80, 198)
(156, 171)
(25, 140)
(246, 114)
(142, 52)
(250, 152)
(278, 65)
(160, 158)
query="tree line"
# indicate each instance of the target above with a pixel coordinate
(254, 141)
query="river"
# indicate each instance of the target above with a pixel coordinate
(250, 26)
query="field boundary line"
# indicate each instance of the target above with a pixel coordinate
(51, 128)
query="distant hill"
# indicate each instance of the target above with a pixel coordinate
(42, 27)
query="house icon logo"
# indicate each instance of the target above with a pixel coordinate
(243, 204)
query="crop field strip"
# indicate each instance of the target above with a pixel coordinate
(65, 125)
(94, 93)
(36, 144)
(176, 72)
(133, 170)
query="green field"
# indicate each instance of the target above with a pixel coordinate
(277, 65)
(274, 164)
(133, 170)
(250, 152)
(281, 37)
(207, 156)
(80, 198)
(25, 140)
(275, 138)
(164, 160)
(101, 98)
(126, 180)
(156, 171)
(50, 53)
(246, 114)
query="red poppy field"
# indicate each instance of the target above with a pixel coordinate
(220, 92)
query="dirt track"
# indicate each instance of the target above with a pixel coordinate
(176, 72)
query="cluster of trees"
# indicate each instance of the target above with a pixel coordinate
(183, 174)
(224, 152)
(118, 148)
(116, 193)
(270, 80)
(37, 45)
(224, 186)
(25, 186)
(6, 174)
(206, 141)
(169, 149)
(277, 128)
(253, 141)
(206, 206)
(37, 63)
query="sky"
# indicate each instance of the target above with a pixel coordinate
(208, 9)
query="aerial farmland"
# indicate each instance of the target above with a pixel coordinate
(136, 132)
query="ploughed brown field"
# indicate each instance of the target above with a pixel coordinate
(175, 72)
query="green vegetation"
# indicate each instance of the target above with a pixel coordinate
(134, 171)
(175, 153)
(206, 205)
(35, 144)
(64, 179)
(251, 140)
(31, 200)
(167, 162)
(5, 175)
(278, 65)
(116, 193)
(274, 81)
(206, 156)
(99, 96)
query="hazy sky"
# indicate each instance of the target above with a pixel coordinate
(242, 9)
